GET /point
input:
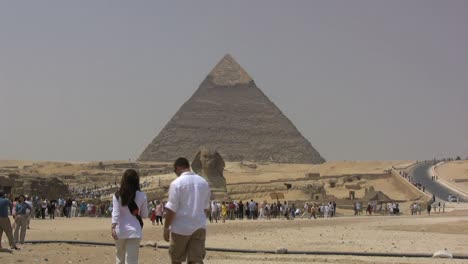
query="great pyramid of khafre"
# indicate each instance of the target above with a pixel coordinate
(231, 114)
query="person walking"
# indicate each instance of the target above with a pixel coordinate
(53, 207)
(129, 206)
(306, 210)
(21, 219)
(43, 208)
(5, 224)
(214, 212)
(223, 211)
(187, 206)
(31, 211)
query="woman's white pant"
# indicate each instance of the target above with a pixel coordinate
(127, 251)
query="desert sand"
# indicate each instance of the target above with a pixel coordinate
(396, 234)
(455, 172)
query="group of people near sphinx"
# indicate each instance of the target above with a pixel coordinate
(253, 210)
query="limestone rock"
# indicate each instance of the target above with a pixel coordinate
(152, 244)
(444, 253)
(281, 250)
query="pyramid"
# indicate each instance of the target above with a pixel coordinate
(230, 114)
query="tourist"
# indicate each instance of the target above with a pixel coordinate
(292, 212)
(240, 210)
(61, 206)
(153, 215)
(326, 211)
(358, 208)
(29, 211)
(21, 219)
(214, 212)
(286, 210)
(252, 207)
(306, 210)
(268, 211)
(429, 207)
(313, 211)
(73, 208)
(223, 211)
(369, 209)
(331, 209)
(261, 210)
(5, 224)
(159, 213)
(129, 207)
(83, 207)
(43, 208)
(89, 209)
(67, 208)
(232, 210)
(186, 209)
(53, 205)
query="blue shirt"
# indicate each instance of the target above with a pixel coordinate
(4, 205)
(21, 208)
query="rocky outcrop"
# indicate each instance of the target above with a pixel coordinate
(52, 188)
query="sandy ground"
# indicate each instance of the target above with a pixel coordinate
(412, 234)
(454, 170)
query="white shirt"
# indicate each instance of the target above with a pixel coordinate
(214, 207)
(127, 224)
(28, 211)
(189, 196)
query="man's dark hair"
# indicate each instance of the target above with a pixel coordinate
(1, 194)
(182, 163)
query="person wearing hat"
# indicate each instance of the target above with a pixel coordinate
(5, 224)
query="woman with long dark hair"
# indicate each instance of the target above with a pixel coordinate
(130, 205)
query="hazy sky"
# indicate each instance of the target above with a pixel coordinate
(98, 80)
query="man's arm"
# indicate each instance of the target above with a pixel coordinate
(169, 217)
(172, 206)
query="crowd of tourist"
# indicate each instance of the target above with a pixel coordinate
(411, 180)
(374, 207)
(98, 191)
(232, 210)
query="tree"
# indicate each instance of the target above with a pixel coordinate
(458, 158)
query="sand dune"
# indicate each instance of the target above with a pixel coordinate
(455, 172)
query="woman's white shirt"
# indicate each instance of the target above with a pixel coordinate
(127, 224)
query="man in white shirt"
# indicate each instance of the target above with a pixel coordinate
(187, 206)
(29, 211)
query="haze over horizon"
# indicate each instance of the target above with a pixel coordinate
(361, 80)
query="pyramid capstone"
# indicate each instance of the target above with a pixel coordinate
(229, 72)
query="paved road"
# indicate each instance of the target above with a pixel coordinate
(421, 174)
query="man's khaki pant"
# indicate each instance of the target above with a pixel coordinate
(5, 226)
(21, 222)
(191, 248)
(127, 251)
